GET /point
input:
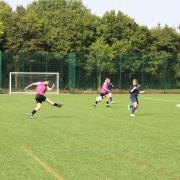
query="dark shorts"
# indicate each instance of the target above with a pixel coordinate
(104, 94)
(134, 99)
(40, 98)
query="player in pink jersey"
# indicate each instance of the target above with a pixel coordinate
(104, 93)
(41, 89)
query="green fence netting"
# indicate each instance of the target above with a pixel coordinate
(77, 72)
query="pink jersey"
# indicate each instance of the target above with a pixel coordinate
(41, 88)
(104, 88)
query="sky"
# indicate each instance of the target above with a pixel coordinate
(145, 12)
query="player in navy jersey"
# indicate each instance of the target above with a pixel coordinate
(134, 91)
(110, 86)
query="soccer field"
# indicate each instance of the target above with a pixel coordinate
(80, 142)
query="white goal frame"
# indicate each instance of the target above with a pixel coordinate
(34, 73)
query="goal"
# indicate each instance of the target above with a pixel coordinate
(19, 80)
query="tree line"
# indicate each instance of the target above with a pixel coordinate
(66, 26)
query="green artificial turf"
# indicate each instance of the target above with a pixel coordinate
(83, 142)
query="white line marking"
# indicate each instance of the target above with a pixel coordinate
(165, 100)
(178, 105)
(43, 164)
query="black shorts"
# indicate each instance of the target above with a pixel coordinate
(40, 98)
(102, 94)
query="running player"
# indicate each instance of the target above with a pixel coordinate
(134, 91)
(104, 93)
(41, 88)
(110, 86)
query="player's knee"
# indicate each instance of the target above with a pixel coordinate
(37, 109)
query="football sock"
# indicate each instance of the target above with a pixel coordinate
(55, 104)
(96, 102)
(107, 102)
(110, 99)
(33, 112)
(133, 109)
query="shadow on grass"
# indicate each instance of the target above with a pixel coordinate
(57, 117)
(147, 114)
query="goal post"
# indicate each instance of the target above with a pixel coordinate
(19, 80)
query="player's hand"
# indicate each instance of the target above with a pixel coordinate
(53, 86)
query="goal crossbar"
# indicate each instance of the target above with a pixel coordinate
(43, 75)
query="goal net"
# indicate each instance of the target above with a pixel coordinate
(19, 80)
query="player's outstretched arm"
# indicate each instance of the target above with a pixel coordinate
(50, 89)
(33, 84)
(141, 92)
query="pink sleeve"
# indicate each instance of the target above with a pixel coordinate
(37, 83)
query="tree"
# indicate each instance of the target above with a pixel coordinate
(164, 52)
(68, 25)
(5, 12)
(23, 34)
(103, 43)
(100, 57)
(1, 29)
(127, 39)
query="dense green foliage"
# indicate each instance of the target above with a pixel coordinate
(1, 29)
(83, 143)
(63, 26)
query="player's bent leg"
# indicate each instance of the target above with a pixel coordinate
(110, 97)
(107, 100)
(38, 107)
(98, 99)
(135, 104)
(134, 107)
(54, 104)
(49, 101)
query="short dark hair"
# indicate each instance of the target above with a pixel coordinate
(45, 80)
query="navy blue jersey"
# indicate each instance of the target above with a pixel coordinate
(135, 93)
(110, 86)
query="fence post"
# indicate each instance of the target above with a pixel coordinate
(142, 71)
(164, 75)
(71, 72)
(120, 71)
(98, 71)
(47, 58)
(0, 70)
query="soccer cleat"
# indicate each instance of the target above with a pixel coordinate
(30, 115)
(94, 105)
(107, 105)
(132, 115)
(113, 102)
(60, 105)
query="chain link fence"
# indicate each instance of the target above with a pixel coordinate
(75, 73)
